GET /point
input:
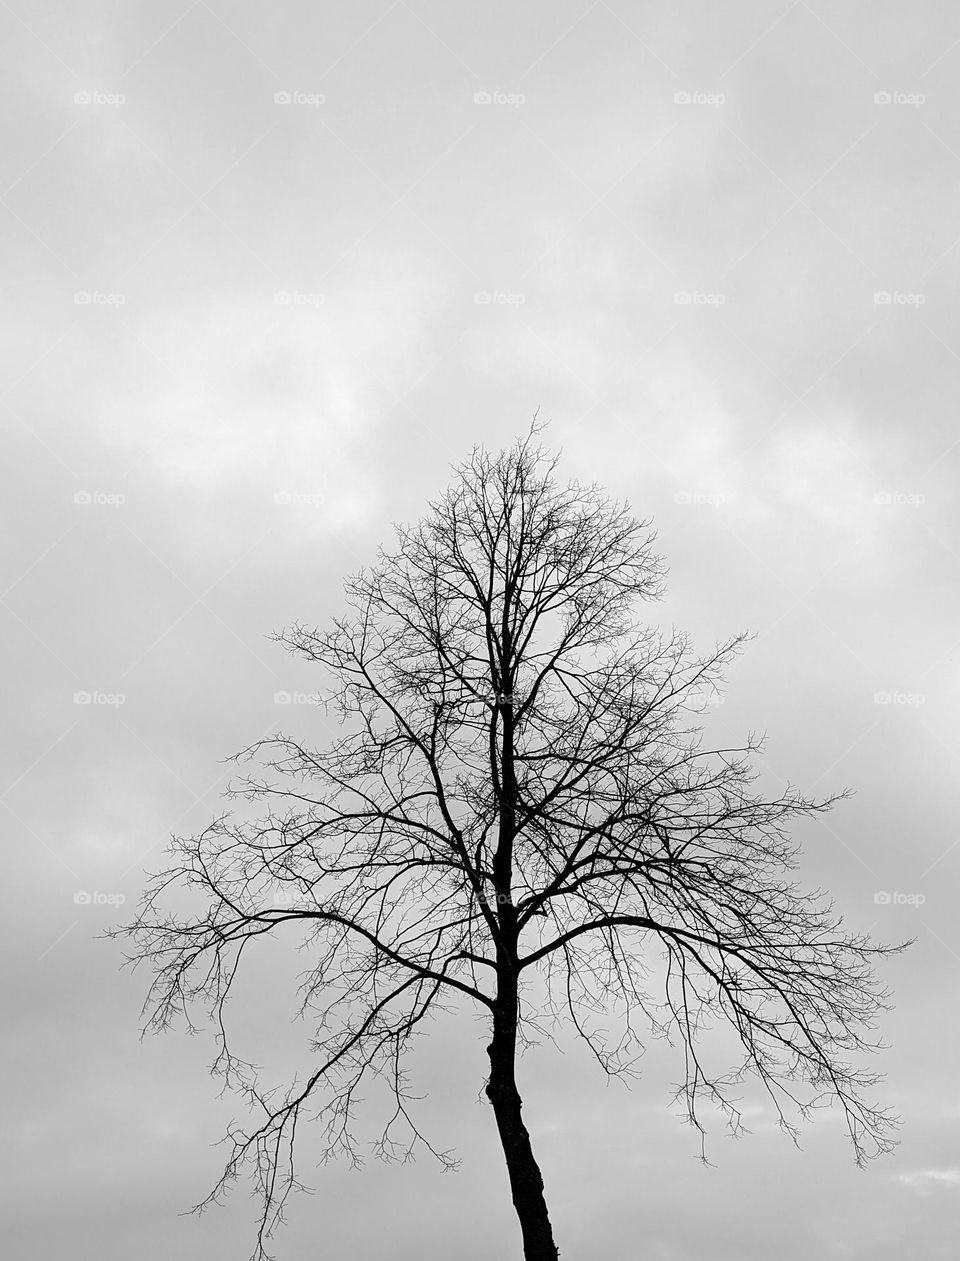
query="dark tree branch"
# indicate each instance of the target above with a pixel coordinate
(519, 784)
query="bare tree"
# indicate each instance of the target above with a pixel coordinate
(519, 793)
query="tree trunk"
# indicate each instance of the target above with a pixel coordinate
(526, 1183)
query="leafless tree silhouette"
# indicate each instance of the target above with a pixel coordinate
(519, 791)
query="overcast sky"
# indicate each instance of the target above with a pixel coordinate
(268, 271)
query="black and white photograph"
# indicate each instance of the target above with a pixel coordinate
(481, 612)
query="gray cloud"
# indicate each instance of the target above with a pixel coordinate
(254, 334)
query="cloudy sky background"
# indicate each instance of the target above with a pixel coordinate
(243, 337)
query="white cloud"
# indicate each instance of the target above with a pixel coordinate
(242, 387)
(926, 1180)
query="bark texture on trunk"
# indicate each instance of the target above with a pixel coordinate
(526, 1183)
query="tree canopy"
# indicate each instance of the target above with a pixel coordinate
(519, 789)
